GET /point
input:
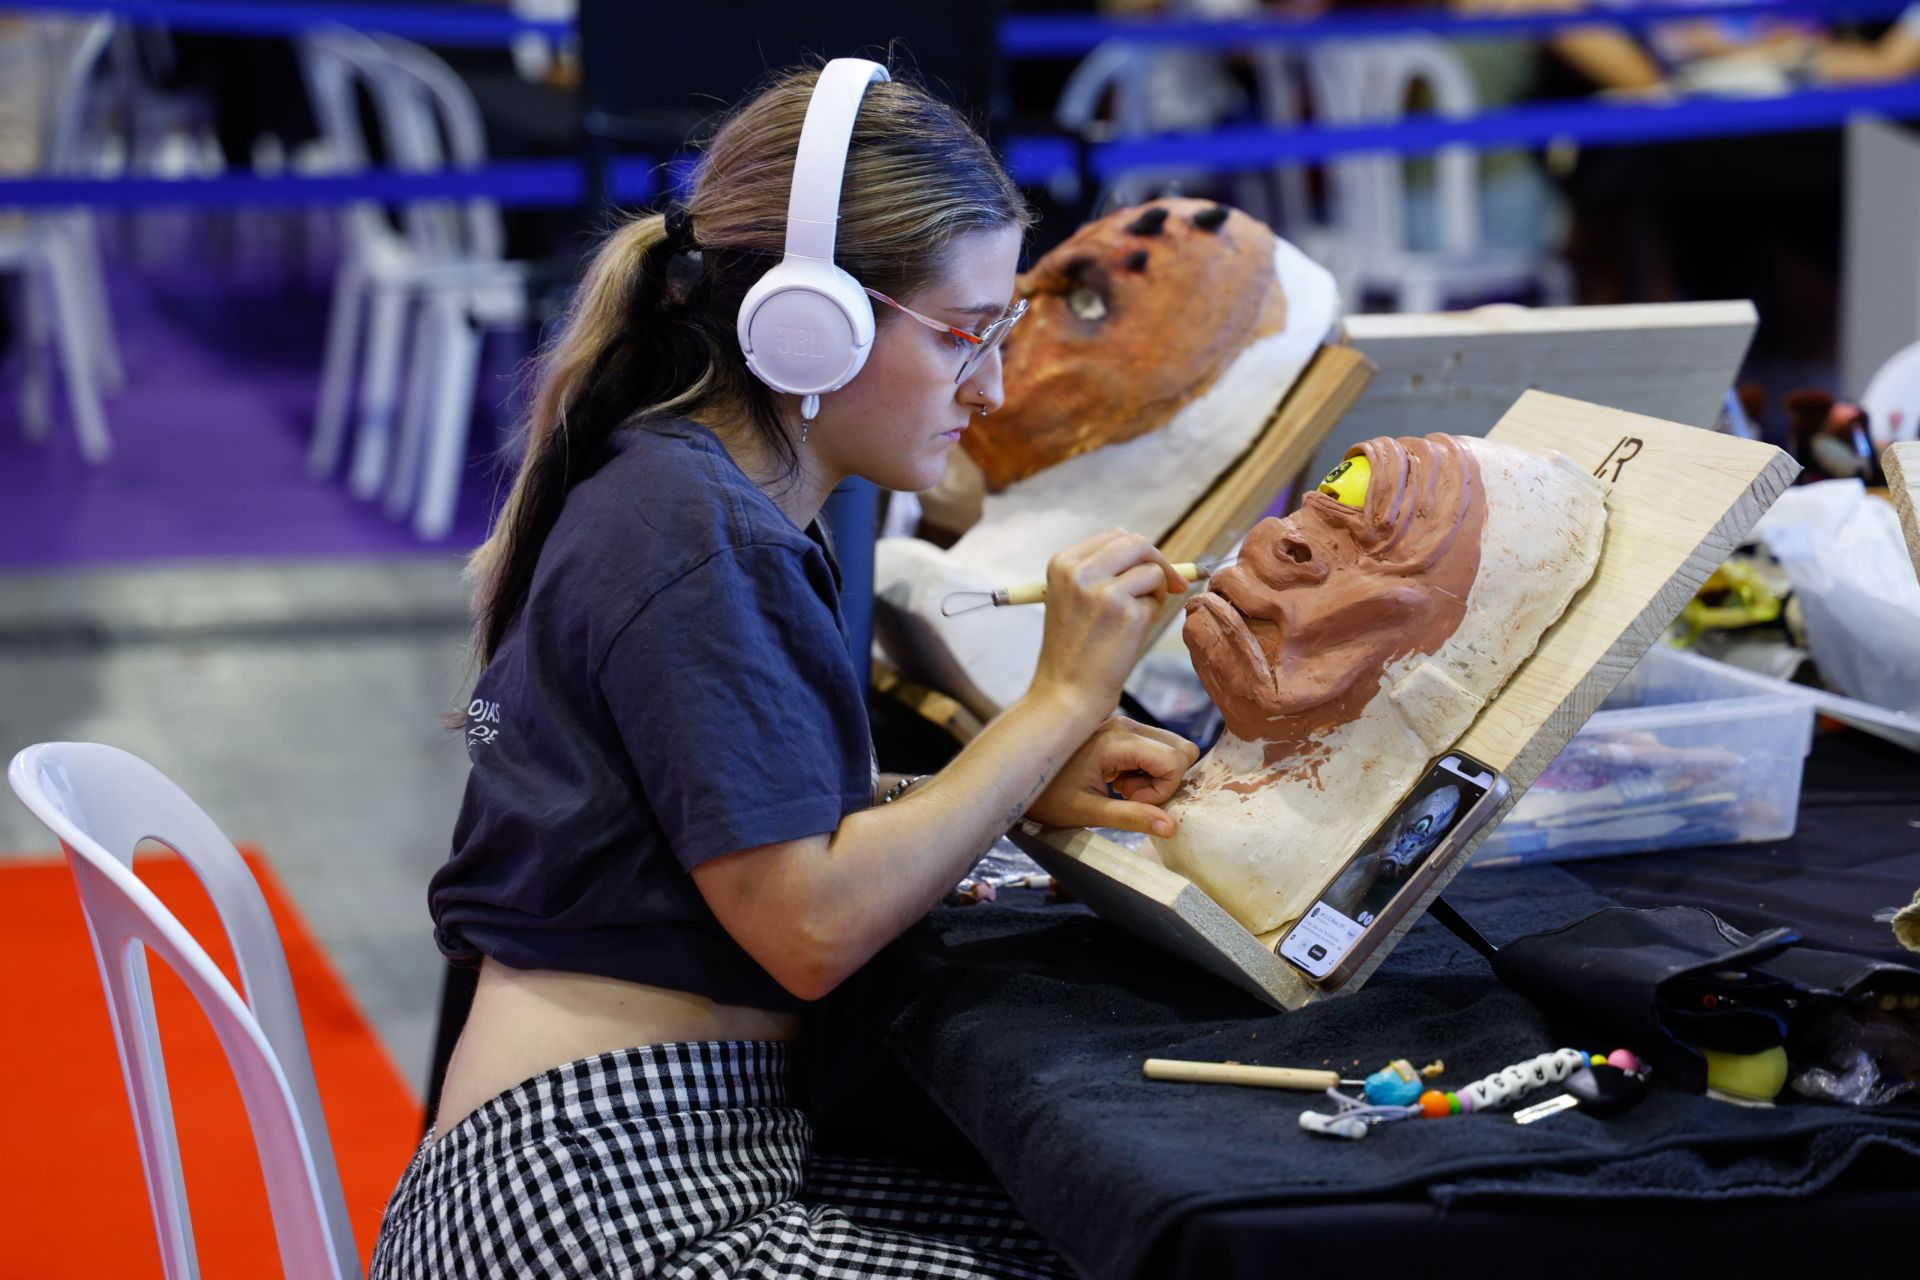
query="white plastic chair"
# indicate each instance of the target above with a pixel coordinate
(375, 259)
(57, 256)
(445, 265)
(465, 289)
(1368, 82)
(101, 802)
(1123, 89)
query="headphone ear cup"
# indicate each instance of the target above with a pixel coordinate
(806, 327)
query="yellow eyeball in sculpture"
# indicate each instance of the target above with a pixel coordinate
(1348, 482)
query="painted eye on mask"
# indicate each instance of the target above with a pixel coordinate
(1347, 483)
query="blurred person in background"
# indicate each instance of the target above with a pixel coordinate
(1894, 56)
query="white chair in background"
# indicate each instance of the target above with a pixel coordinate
(445, 265)
(1368, 82)
(62, 298)
(1123, 89)
(339, 66)
(101, 802)
(466, 289)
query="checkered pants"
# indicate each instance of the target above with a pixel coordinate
(681, 1160)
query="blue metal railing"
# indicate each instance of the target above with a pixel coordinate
(1069, 35)
(1033, 159)
(431, 24)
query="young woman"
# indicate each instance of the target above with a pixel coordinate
(673, 836)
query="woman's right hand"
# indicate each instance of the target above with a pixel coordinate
(1102, 596)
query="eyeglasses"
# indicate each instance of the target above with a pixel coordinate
(979, 345)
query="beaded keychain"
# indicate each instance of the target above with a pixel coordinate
(1395, 1093)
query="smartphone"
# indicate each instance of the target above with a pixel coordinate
(1378, 886)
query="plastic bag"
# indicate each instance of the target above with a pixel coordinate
(1856, 588)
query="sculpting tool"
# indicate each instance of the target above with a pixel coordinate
(1303, 1078)
(1036, 592)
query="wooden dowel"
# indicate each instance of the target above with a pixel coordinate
(1036, 592)
(1235, 1073)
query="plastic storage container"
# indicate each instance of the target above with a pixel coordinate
(1686, 751)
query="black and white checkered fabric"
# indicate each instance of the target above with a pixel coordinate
(684, 1161)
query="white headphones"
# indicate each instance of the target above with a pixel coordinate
(806, 326)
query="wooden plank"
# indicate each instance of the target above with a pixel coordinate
(1162, 907)
(1680, 500)
(1901, 462)
(1458, 372)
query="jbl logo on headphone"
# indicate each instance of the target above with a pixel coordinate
(797, 340)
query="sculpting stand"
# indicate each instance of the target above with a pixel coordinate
(1680, 500)
(1901, 463)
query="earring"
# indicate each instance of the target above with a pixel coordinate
(809, 410)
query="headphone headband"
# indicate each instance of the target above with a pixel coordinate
(813, 208)
(806, 326)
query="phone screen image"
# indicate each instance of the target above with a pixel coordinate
(1384, 866)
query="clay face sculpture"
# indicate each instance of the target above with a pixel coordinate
(1159, 342)
(1353, 644)
(1130, 319)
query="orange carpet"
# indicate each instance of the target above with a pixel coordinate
(73, 1201)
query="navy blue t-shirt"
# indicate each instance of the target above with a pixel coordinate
(677, 687)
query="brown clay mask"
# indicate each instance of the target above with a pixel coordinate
(1291, 641)
(1131, 317)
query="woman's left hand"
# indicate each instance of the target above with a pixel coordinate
(1144, 765)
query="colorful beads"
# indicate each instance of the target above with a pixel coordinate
(1453, 1103)
(1597, 1060)
(1625, 1060)
(1434, 1105)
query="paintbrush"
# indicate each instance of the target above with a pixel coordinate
(960, 602)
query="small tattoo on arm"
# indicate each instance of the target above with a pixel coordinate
(1019, 810)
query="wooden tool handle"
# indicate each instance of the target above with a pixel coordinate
(1036, 592)
(1234, 1073)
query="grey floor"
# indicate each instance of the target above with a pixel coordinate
(301, 705)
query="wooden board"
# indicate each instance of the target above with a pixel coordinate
(1679, 501)
(1459, 371)
(1901, 462)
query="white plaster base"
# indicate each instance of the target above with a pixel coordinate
(1264, 856)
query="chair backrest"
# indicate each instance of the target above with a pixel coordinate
(338, 64)
(63, 146)
(101, 802)
(427, 120)
(1368, 82)
(439, 125)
